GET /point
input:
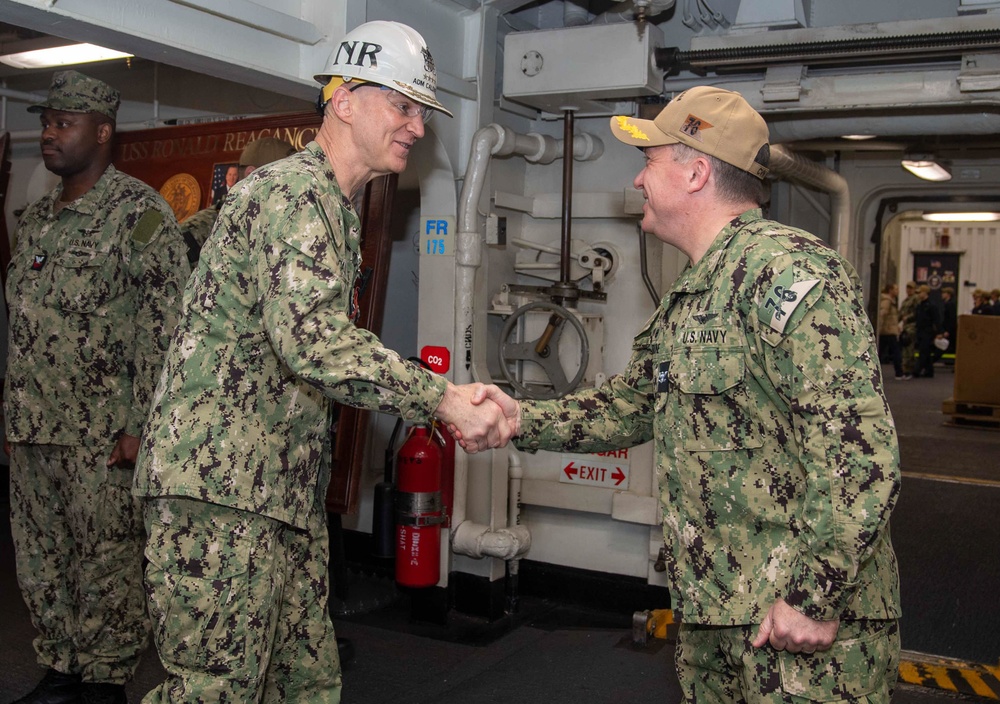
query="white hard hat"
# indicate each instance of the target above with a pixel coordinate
(389, 54)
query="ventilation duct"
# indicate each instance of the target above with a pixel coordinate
(885, 42)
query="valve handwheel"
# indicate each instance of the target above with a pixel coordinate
(544, 352)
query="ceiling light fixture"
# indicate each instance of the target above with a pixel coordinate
(858, 137)
(927, 169)
(961, 217)
(61, 56)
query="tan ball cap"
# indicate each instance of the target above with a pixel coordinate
(714, 121)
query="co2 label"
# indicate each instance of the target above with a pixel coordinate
(437, 358)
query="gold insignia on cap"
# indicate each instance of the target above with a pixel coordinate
(633, 130)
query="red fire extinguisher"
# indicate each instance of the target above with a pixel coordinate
(447, 443)
(419, 512)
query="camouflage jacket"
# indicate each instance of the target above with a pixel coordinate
(94, 291)
(758, 380)
(241, 417)
(908, 315)
(196, 229)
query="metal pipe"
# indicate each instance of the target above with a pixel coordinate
(21, 95)
(644, 266)
(488, 141)
(508, 543)
(566, 239)
(787, 164)
(492, 140)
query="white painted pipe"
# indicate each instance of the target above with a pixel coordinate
(489, 141)
(477, 540)
(20, 95)
(468, 256)
(510, 543)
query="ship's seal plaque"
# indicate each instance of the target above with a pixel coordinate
(183, 194)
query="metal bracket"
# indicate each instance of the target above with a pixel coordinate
(979, 72)
(783, 83)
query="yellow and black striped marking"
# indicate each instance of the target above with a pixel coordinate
(950, 675)
(965, 678)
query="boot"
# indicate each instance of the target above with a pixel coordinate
(54, 688)
(102, 693)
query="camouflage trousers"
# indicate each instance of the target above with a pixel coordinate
(909, 353)
(78, 543)
(239, 606)
(718, 664)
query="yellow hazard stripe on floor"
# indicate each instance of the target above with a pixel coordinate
(914, 668)
(950, 675)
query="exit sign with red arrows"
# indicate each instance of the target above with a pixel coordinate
(607, 469)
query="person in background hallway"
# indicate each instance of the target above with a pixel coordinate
(908, 330)
(260, 152)
(758, 380)
(236, 459)
(981, 303)
(94, 289)
(995, 301)
(949, 322)
(928, 324)
(888, 329)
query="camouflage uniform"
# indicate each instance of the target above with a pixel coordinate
(196, 229)
(241, 421)
(908, 317)
(94, 290)
(260, 152)
(758, 380)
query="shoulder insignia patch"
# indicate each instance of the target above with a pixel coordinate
(146, 226)
(781, 301)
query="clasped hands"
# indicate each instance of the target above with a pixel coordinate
(479, 416)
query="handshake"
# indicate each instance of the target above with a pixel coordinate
(479, 416)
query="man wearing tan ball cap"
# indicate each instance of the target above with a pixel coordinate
(758, 381)
(712, 120)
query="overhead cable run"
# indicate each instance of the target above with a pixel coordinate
(832, 51)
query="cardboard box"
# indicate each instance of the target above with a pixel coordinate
(977, 359)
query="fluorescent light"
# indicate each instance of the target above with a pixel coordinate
(61, 56)
(858, 137)
(927, 169)
(961, 217)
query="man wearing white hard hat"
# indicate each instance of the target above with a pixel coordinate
(236, 457)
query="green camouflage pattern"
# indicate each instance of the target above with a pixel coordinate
(78, 543)
(71, 91)
(776, 452)
(719, 665)
(196, 229)
(260, 152)
(241, 416)
(94, 291)
(239, 606)
(908, 317)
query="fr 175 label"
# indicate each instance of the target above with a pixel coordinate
(437, 236)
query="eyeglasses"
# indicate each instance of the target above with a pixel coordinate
(405, 105)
